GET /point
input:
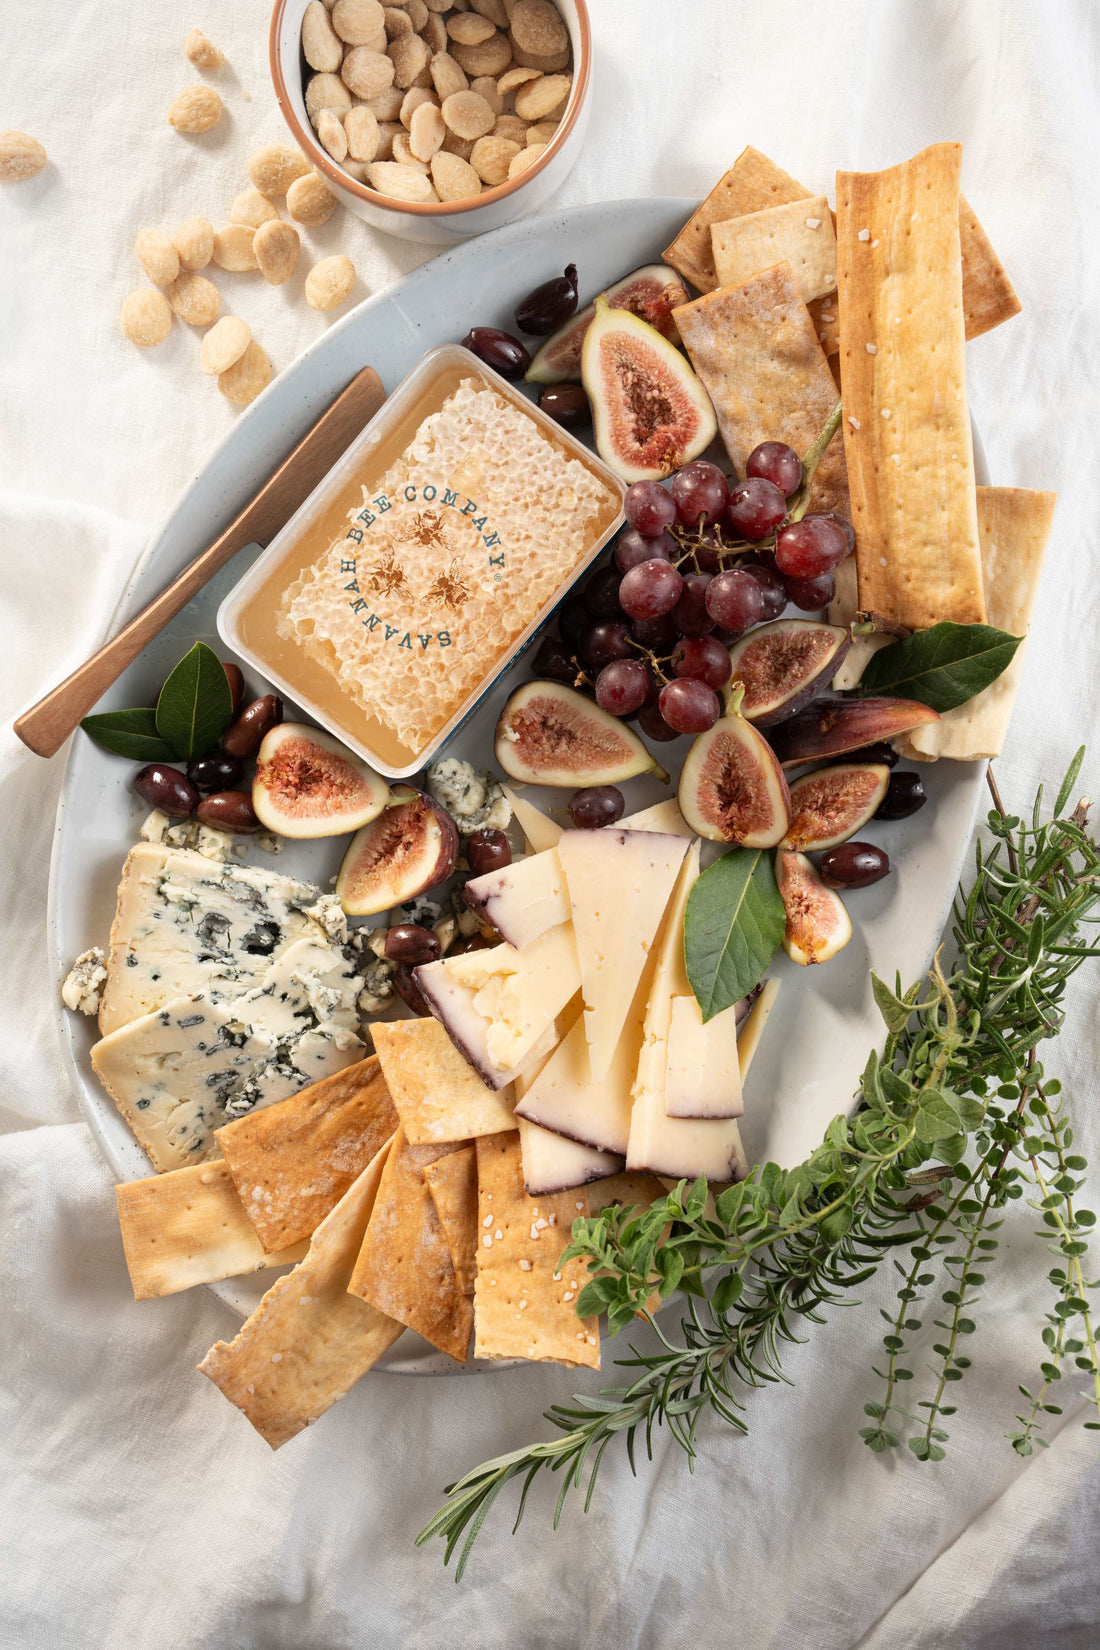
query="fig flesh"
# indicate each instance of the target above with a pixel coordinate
(784, 665)
(651, 293)
(650, 413)
(308, 784)
(831, 805)
(732, 788)
(549, 734)
(832, 727)
(411, 846)
(818, 926)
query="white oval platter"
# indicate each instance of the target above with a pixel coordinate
(825, 1023)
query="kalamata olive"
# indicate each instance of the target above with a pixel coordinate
(566, 404)
(886, 754)
(216, 771)
(229, 811)
(235, 677)
(410, 943)
(498, 350)
(854, 865)
(245, 736)
(470, 942)
(904, 796)
(601, 594)
(405, 985)
(167, 789)
(595, 806)
(488, 850)
(550, 305)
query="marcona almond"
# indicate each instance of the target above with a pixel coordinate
(356, 169)
(276, 246)
(326, 91)
(511, 127)
(233, 249)
(403, 155)
(194, 299)
(21, 157)
(439, 5)
(329, 283)
(485, 86)
(418, 12)
(252, 209)
(491, 57)
(146, 317)
(321, 46)
(195, 110)
(538, 97)
(408, 58)
(447, 76)
(194, 242)
(367, 72)
(309, 200)
(410, 103)
(542, 133)
(545, 65)
(468, 115)
(224, 344)
(243, 381)
(454, 178)
(273, 169)
(361, 130)
(537, 26)
(526, 157)
(398, 22)
(388, 130)
(359, 22)
(494, 10)
(401, 183)
(387, 105)
(491, 157)
(202, 52)
(512, 78)
(469, 28)
(435, 33)
(426, 131)
(462, 147)
(157, 256)
(331, 134)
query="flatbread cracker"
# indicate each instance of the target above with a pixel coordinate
(452, 1182)
(293, 1162)
(308, 1341)
(988, 294)
(525, 1297)
(187, 1227)
(404, 1267)
(1015, 525)
(439, 1097)
(799, 233)
(903, 363)
(755, 348)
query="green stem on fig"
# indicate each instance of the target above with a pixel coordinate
(812, 460)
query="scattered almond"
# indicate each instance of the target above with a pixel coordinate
(224, 344)
(403, 155)
(418, 12)
(361, 129)
(511, 127)
(402, 183)
(359, 22)
(273, 169)
(233, 249)
(387, 131)
(512, 78)
(537, 26)
(408, 59)
(202, 52)
(367, 73)
(146, 317)
(545, 65)
(469, 28)
(309, 200)
(276, 246)
(491, 157)
(195, 110)
(454, 178)
(326, 91)
(468, 115)
(252, 209)
(330, 132)
(321, 45)
(329, 283)
(387, 105)
(243, 381)
(194, 299)
(543, 132)
(21, 157)
(540, 96)
(356, 169)
(398, 22)
(526, 157)
(446, 75)
(435, 33)
(462, 147)
(157, 256)
(495, 10)
(426, 131)
(194, 242)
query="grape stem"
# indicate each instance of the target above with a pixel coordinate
(816, 453)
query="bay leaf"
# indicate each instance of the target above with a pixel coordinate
(733, 926)
(195, 705)
(943, 666)
(131, 733)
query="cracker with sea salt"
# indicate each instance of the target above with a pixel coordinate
(988, 295)
(309, 1340)
(187, 1227)
(757, 352)
(799, 233)
(525, 1296)
(292, 1162)
(438, 1095)
(452, 1183)
(1014, 525)
(404, 1267)
(903, 363)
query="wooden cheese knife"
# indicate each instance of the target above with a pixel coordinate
(47, 724)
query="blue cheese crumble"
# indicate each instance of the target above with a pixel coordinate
(475, 801)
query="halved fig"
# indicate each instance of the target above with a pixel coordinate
(832, 727)
(784, 665)
(410, 847)
(650, 414)
(549, 734)
(308, 784)
(732, 788)
(651, 293)
(831, 805)
(818, 926)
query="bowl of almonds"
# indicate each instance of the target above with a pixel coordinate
(435, 120)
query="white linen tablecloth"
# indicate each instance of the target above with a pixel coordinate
(140, 1510)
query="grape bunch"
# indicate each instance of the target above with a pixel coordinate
(701, 561)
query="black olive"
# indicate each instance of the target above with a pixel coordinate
(498, 350)
(566, 404)
(905, 794)
(167, 789)
(216, 771)
(550, 305)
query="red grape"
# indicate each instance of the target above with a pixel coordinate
(653, 724)
(595, 806)
(774, 461)
(622, 687)
(775, 591)
(843, 523)
(689, 706)
(702, 658)
(601, 594)
(634, 548)
(810, 547)
(756, 507)
(552, 660)
(812, 594)
(649, 509)
(650, 589)
(735, 600)
(699, 491)
(658, 635)
(690, 615)
(608, 640)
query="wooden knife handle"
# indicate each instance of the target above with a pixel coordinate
(47, 724)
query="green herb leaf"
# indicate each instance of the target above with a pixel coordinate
(195, 705)
(943, 666)
(131, 733)
(732, 927)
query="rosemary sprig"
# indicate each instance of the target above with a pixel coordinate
(958, 1074)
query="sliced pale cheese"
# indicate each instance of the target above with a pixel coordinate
(702, 1071)
(662, 816)
(568, 1100)
(541, 833)
(553, 1164)
(523, 900)
(619, 884)
(748, 1040)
